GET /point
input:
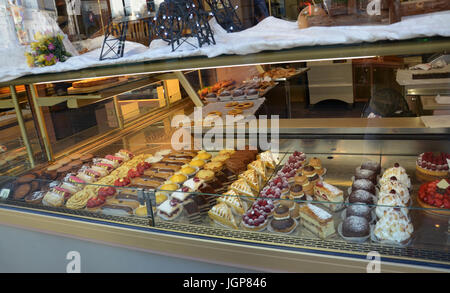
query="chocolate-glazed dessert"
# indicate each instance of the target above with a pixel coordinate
(373, 166)
(366, 174)
(354, 226)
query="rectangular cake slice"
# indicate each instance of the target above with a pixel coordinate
(317, 220)
(326, 192)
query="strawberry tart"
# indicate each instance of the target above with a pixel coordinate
(434, 196)
(433, 164)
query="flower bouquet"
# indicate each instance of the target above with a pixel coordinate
(47, 50)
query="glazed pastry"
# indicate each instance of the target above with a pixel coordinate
(398, 172)
(178, 178)
(361, 196)
(260, 168)
(268, 159)
(253, 180)
(394, 226)
(220, 158)
(363, 184)
(232, 199)
(188, 171)
(223, 215)
(168, 187)
(205, 175)
(213, 166)
(317, 220)
(241, 187)
(202, 155)
(160, 198)
(197, 163)
(354, 226)
(330, 194)
(255, 220)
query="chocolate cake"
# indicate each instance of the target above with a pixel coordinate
(363, 184)
(361, 196)
(359, 210)
(354, 226)
(283, 226)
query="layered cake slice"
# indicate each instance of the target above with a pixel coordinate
(317, 220)
(328, 193)
(221, 213)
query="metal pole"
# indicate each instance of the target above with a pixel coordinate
(41, 123)
(23, 129)
(189, 89)
(118, 112)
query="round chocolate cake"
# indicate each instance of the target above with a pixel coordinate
(359, 210)
(365, 174)
(361, 196)
(354, 226)
(373, 166)
(284, 226)
(363, 184)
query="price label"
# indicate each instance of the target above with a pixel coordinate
(4, 193)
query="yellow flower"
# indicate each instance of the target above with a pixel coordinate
(41, 58)
(30, 60)
(38, 36)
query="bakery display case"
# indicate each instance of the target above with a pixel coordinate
(95, 154)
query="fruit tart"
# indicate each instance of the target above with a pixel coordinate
(434, 196)
(433, 164)
(255, 220)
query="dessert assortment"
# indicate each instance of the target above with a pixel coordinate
(230, 90)
(243, 189)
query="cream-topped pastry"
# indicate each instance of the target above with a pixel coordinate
(399, 173)
(102, 171)
(115, 164)
(154, 159)
(389, 201)
(394, 226)
(193, 184)
(53, 199)
(399, 188)
(123, 156)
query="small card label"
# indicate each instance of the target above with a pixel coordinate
(4, 193)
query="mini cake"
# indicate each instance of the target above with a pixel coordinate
(365, 174)
(178, 178)
(359, 210)
(394, 226)
(363, 184)
(197, 163)
(329, 194)
(255, 220)
(188, 171)
(361, 196)
(282, 221)
(354, 226)
(373, 166)
(202, 155)
(169, 209)
(214, 166)
(398, 172)
(433, 164)
(296, 192)
(264, 205)
(317, 220)
(308, 171)
(317, 164)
